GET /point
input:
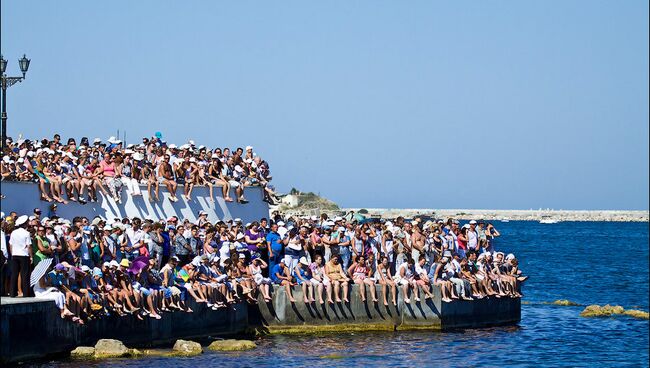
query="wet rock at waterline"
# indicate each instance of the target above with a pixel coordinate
(565, 303)
(186, 348)
(109, 348)
(610, 310)
(83, 352)
(232, 345)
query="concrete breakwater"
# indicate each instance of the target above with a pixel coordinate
(32, 329)
(514, 215)
(282, 316)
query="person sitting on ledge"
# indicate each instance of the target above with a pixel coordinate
(406, 279)
(338, 279)
(359, 272)
(281, 275)
(385, 279)
(113, 266)
(319, 280)
(437, 276)
(263, 283)
(301, 274)
(422, 281)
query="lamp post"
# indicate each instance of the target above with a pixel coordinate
(6, 83)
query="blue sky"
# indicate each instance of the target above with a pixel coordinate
(468, 104)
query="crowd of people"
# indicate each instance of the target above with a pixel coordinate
(78, 171)
(95, 267)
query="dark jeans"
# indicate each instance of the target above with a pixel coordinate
(184, 259)
(277, 256)
(264, 254)
(4, 267)
(20, 264)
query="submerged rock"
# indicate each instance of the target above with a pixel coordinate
(604, 311)
(82, 352)
(156, 352)
(565, 302)
(135, 353)
(232, 345)
(109, 348)
(636, 313)
(186, 348)
(332, 356)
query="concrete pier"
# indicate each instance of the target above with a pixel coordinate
(32, 328)
(282, 316)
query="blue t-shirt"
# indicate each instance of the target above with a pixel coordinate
(57, 279)
(276, 269)
(274, 239)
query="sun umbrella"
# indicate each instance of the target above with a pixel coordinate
(183, 275)
(138, 264)
(358, 217)
(143, 259)
(39, 271)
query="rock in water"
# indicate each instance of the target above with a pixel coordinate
(232, 345)
(82, 352)
(604, 311)
(636, 313)
(186, 348)
(109, 348)
(565, 302)
(135, 353)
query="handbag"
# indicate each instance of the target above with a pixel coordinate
(144, 251)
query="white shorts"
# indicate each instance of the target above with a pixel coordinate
(259, 279)
(400, 281)
(222, 278)
(315, 282)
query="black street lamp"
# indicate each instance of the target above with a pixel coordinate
(6, 83)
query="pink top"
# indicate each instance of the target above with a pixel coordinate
(108, 169)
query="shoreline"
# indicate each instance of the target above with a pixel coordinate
(512, 215)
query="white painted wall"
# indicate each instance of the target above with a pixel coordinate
(24, 197)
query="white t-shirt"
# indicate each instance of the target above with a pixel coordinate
(20, 241)
(294, 244)
(472, 239)
(456, 265)
(407, 270)
(224, 252)
(419, 270)
(148, 241)
(134, 236)
(3, 244)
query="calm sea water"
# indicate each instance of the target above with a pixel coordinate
(588, 263)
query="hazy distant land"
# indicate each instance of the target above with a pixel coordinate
(515, 215)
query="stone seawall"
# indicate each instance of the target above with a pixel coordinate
(282, 316)
(32, 328)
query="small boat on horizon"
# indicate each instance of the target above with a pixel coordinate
(548, 220)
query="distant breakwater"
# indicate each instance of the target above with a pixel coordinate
(513, 215)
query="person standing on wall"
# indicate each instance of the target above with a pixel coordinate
(20, 244)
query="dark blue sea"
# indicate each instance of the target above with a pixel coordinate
(584, 262)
